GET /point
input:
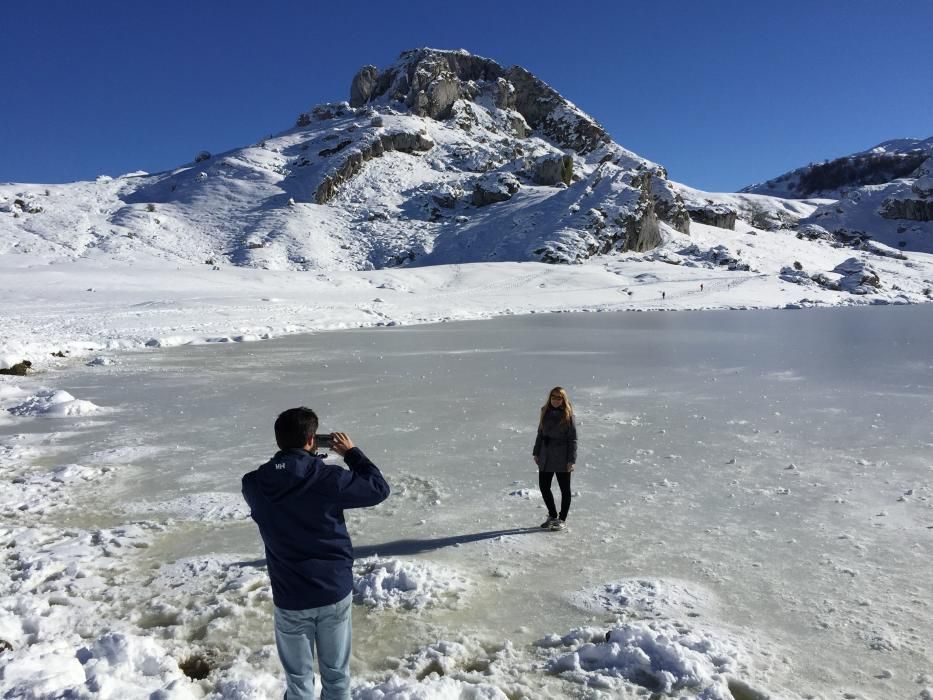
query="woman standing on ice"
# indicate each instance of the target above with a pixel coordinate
(555, 452)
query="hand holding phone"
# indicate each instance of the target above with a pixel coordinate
(341, 443)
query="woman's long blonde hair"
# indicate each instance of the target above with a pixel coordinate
(567, 407)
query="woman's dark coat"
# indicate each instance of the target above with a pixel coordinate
(556, 444)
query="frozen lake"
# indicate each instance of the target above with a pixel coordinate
(760, 480)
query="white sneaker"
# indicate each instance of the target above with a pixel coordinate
(549, 523)
(558, 525)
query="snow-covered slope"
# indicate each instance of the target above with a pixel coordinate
(883, 195)
(898, 214)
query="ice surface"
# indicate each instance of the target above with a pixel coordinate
(752, 512)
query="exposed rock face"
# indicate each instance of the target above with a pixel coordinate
(20, 369)
(918, 206)
(426, 80)
(503, 93)
(553, 170)
(361, 89)
(923, 185)
(543, 108)
(429, 82)
(718, 215)
(908, 208)
(632, 225)
(641, 228)
(668, 204)
(399, 141)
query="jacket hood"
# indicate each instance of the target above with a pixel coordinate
(285, 472)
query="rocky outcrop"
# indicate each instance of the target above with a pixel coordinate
(857, 277)
(923, 184)
(853, 276)
(913, 209)
(641, 227)
(552, 170)
(796, 275)
(544, 108)
(668, 204)
(406, 142)
(429, 82)
(717, 255)
(718, 215)
(364, 82)
(495, 187)
(22, 204)
(633, 224)
(447, 195)
(20, 369)
(503, 94)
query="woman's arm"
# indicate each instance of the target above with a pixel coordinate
(572, 442)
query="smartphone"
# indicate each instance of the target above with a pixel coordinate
(323, 440)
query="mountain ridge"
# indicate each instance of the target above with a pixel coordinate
(834, 178)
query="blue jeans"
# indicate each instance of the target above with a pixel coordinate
(329, 628)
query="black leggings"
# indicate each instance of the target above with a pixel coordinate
(563, 480)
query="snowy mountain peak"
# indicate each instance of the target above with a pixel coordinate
(441, 157)
(429, 82)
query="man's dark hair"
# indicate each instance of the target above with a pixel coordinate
(294, 427)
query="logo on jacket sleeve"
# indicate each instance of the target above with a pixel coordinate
(280, 465)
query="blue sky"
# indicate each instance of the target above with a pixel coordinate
(723, 93)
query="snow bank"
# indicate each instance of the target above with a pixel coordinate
(658, 656)
(55, 403)
(54, 582)
(406, 585)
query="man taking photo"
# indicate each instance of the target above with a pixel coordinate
(298, 502)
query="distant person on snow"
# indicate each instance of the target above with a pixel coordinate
(298, 502)
(555, 452)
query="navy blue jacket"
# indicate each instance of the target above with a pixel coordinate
(298, 501)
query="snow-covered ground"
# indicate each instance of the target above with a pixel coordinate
(84, 308)
(751, 517)
(130, 570)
